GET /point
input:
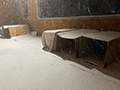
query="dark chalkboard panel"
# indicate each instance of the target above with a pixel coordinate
(72, 8)
(25, 9)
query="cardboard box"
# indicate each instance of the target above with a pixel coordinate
(103, 45)
(15, 30)
(73, 35)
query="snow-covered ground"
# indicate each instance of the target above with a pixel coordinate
(25, 66)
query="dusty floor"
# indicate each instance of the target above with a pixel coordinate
(25, 66)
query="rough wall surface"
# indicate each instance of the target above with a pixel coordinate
(7, 12)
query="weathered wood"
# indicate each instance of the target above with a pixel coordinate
(16, 30)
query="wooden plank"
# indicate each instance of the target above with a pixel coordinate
(26, 28)
(16, 30)
(13, 31)
(19, 30)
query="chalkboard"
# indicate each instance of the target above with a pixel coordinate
(72, 8)
(25, 9)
